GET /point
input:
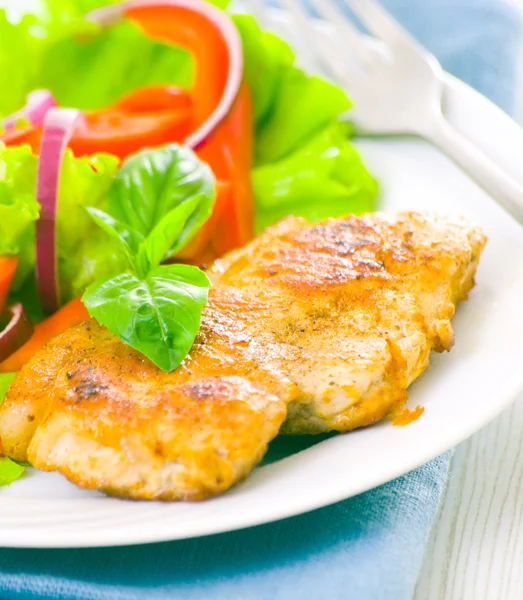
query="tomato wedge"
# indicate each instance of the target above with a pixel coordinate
(148, 117)
(155, 98)
(26, 135)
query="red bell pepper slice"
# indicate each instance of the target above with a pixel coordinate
(195, 32)
(229, 152)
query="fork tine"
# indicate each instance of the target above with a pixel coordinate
(298, 11)
(379, 22)
(325, 56)
(260, 12)
(341, 69)
(347, 34)
(316, 44)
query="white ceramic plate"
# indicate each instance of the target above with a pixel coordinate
(461, 391)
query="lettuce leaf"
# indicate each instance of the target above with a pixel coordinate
(104, 70)
(305, 163)
(57, 47)
(290, 106)
(5, 381)
(267, 58)
(325, 178)
(18, 206)
(20, 60)
(83, 253)
(10, 471)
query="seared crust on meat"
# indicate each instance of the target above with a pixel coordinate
(107, 418)
(368, 298)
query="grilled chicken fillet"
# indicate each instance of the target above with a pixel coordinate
(309, 328)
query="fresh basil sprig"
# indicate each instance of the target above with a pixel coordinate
(151, 183)
(159, 199)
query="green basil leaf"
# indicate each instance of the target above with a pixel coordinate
(158, 315)
(128, 239)
(9, 471)
(166, 234)
(153, 182)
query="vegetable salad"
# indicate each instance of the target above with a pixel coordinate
(192, 130)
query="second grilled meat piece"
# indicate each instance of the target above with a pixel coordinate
(367, 299)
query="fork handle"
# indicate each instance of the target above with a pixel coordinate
(503, 188)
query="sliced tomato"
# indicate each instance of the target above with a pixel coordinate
(27, 135)
(148, 117)
(123, 133)
(155, 98)
(145, 118)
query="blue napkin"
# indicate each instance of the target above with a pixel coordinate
(366, 548)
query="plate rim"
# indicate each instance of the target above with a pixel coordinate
(70, 538)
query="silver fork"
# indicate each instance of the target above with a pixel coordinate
(396, 86)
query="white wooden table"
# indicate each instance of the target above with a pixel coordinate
(475, 551)
(476, 547)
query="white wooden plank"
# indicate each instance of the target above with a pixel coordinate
(476, 547)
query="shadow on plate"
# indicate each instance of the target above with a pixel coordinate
(284, 446)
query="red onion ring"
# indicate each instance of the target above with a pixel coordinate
(57, 129)
(37, 104)
(112, 14)
(16, 332)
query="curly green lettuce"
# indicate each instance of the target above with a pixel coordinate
(305, 164)
(324, 178)
(18, 206)
(84, 254)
